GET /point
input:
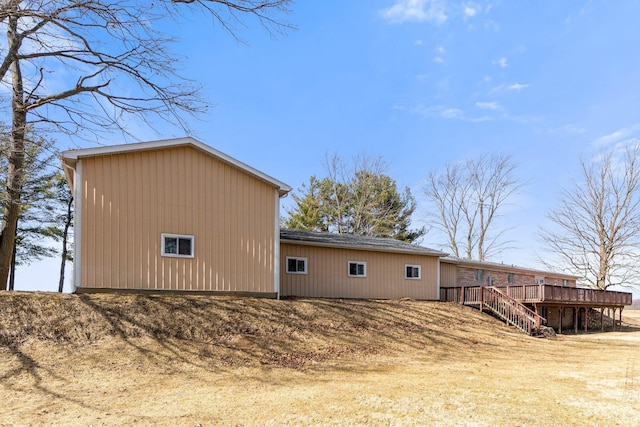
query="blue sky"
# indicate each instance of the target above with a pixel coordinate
(421, 83)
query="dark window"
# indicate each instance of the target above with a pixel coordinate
(177, 246)
(479, 275)
(297, 265)
(412, 272)
(357, 269)
(511, 278)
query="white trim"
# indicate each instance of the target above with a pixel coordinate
(77, 227)
(297, 258)
(276, 248)
(163, 236)
(438, 280)
(364, 263)
(73, 155)
(418, 266)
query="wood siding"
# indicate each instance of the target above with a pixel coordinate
(385, 274)
(448, 275)
(129, 199)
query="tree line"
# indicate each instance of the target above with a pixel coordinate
(593, 232)
(119, 67)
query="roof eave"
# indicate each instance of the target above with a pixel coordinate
(361, 248)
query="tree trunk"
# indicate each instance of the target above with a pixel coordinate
(12, 279)
(16, 160)
(65, 234)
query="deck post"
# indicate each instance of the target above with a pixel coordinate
(602, 318)
(575, 320)
(621, 308)
(586, 319)
(481, 297)
(559, 320)
(462, 295)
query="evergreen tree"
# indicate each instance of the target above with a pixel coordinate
(360, 200)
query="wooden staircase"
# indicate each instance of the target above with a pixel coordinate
(501, 305)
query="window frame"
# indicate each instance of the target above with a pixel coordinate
(164, 253)
(358, 263)
(412, 266)
(511, 278)
(565, 283)
(297, 258)
(478, 275)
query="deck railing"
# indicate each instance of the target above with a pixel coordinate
(546, 293)
(495, 300)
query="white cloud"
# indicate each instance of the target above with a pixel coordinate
(502, 62)
(415, 10)
(470, 10)
(438, 59)
(618, 136)
(448, 113)
(452, 113)
(489, 106)
(512, 87)
(517, 86)
(419, 42)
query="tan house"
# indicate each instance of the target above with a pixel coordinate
(178, 215)
(173, 215)
(330, 265)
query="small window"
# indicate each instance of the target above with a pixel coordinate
(511, 278)
(175, 245)
(565, 282)
(296, 265)
(357, 269)
(412, 271)
(479, 275)
(539, 280)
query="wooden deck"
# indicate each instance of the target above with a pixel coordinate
(547, 294)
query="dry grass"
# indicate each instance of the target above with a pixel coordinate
(134, 360)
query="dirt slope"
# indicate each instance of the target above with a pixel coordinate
(242, 331)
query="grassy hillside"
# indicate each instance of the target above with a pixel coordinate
(235, 331)
(110, 360)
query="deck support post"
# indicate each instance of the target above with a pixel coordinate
(462, 295)
(560, 320)
(575, 319)
(602, 318)
(586, 319)
(481, 297)
(621, 308)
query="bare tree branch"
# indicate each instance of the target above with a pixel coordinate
(596, 229)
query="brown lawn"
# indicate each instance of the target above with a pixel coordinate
(133, 360)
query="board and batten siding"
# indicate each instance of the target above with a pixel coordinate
(327, 274)
(129, 199)
(448, 275)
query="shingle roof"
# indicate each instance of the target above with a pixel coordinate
(350, 241)
(501, 266)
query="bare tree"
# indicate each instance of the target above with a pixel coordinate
(86, 67)
(468, 198)
(597, 222)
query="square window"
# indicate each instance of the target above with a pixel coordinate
(412, 272)
(174, 245)
(478, 275)
(296, 265)
(357, 269)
